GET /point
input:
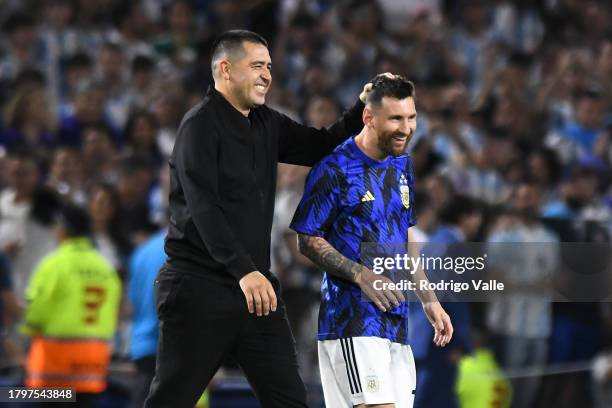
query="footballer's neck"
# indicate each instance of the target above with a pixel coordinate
(230, 96)
(367, 142)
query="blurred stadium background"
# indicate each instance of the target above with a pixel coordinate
(510, 94)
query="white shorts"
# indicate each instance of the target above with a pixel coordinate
(366, 370)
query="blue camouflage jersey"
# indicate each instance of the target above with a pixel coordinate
(350, 199)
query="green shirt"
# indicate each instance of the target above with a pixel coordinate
(73, 293)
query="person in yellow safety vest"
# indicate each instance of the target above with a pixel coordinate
(73, 303)
(480, 381)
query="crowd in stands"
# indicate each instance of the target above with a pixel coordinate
(514, 111)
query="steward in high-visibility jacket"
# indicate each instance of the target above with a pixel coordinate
(481, 383)
(73, 303)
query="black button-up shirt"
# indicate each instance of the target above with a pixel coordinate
(223, 182)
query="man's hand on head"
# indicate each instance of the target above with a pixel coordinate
(367, 88)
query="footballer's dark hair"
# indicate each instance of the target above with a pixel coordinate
(75, 220)
(396, 87)
(230, 43)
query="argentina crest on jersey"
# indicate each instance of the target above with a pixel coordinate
(404, 191)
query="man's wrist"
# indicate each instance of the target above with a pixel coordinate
(428, 297)
(430, 300)
(358, 276)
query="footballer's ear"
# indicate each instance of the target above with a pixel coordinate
(368, 116)
(224, 69)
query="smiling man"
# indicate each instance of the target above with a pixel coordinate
(362, 194)
(216, 297)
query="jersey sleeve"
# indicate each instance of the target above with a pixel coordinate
(319, 205)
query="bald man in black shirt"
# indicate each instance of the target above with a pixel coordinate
(216, 297)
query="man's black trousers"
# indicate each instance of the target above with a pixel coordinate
(201, 324)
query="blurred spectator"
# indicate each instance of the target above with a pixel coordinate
(321, 111)
(525, 254)
(564, 75)
(397, 12)
(79, 70)
(29, 123)
(66, 175)
(10, 307)
(158, 198)
(544, 169)
(579, 198)
(357, 39)
(577, 332)
(440, 190)
(140, 135)
(425, 160)
(426, 55)
(511, 119)
(301, 280)
(437, 367)
(141, 79)
(453, 136)
(604, 65)
(98, 152)
(133, 185)
(297, 44)
(29, 78)
(92, 21)
(168, 105)
(177, 46)
(88, 109)
(481, 178)
(107, 235)
(595, 22)
(73, 301)
(583, 138)
(426, 217)
(132, 29)
(470, 41)
(23, 47)
(26, 215)
(518, 25)
(480, 380)
(59, 38)
(145, 264)
(112, 74)
(59, 34)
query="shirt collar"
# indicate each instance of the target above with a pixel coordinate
(224, 103)
(370, 161)
(75, 243)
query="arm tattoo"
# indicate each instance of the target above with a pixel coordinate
(326, 257)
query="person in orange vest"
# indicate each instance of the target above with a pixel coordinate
(73, 303)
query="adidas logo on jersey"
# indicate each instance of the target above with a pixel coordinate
(367, 197)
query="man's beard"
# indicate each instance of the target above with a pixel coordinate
(385, 144)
